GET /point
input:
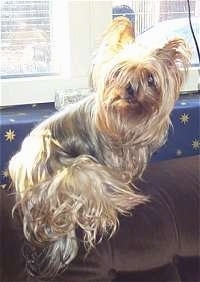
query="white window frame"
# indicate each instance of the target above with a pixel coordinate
(192, 83)
(83, 23)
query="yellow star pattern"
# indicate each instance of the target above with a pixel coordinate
(184, 118)
(196, 144)
(5, 173)
(178, 153)
(10, 135)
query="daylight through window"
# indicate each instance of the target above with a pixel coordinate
(27, 38)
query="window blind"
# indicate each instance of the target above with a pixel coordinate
(26, 38)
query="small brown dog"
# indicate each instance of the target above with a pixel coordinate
(75, 170)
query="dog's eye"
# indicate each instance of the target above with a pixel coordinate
(150, 80)
(129, 89)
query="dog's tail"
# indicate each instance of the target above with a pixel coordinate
(58, 195)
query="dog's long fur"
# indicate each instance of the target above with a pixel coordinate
(76, 169)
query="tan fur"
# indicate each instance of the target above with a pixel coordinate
(75, 171)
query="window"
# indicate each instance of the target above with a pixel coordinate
(26, 33)
(147, 13)
(47, 45)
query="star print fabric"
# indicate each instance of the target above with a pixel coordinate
(184, 136)
(10, 135)
(16, 122)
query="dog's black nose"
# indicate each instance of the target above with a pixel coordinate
(129, 93)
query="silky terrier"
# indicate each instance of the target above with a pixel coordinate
(75, 171)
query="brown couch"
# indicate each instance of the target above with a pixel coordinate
(158, 243)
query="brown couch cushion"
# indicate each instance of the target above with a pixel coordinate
(158, 243)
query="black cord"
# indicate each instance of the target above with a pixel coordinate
(192, 31)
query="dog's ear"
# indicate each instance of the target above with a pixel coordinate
(175, 55)
(119, 33)
(175, 51)
(116, 36)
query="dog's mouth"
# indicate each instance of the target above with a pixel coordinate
(124, 101)
(135, 105)
(129, 100)
(132, 100)
(125, 97)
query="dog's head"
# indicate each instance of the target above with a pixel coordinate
(136, 86)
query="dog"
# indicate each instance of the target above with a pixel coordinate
(76, 170)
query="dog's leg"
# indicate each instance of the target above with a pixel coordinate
(58, 194)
